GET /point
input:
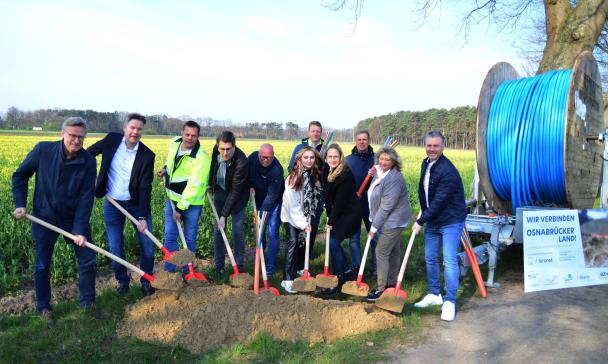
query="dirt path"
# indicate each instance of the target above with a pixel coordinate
(558, 326)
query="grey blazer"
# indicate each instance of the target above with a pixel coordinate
(389, 204)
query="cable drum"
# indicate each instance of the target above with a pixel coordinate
(532, 145)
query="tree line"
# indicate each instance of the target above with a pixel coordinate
(457, 124)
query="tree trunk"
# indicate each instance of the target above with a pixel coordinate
(571, 30)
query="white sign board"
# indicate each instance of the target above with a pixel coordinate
(553, 252)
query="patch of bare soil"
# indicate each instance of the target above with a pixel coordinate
(200, 319)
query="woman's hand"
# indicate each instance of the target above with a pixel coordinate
(308, 229)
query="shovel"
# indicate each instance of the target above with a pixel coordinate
(166, 253)
(306, 283)
(393, 299)
(199, 278)
(237, 279)
(358, 288)
(164, 282)
(259, 252)
(326, 280)
(260, 234)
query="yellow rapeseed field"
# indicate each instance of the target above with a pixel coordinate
(16, 244)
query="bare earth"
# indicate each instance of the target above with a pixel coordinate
(557, 326)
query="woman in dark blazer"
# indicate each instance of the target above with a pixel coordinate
(343, 210)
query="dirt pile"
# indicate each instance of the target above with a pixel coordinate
(200, 319)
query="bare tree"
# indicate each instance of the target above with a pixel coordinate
(570, 26)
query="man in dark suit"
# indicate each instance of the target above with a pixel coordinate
(127, 168)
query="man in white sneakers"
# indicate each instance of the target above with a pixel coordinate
(441, 197)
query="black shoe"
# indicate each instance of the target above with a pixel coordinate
(374, 295)
(147, 289)
(96, 312)
(47, 316)
(122, 289)
(331, 291)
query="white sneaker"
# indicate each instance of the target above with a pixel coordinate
(301, 272)
(429, 300)
(287, 286)
(448, 311)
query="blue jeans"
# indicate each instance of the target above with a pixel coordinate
(190, 222)
(115, 224)
(238, 236)
(338, 258)
(448, 238)
(45, 244)
(354, 245)
(274, 243)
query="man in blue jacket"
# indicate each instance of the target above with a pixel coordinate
(126, 174)
(361, 162)
(63, 196)
(441, 198)
(266, 180)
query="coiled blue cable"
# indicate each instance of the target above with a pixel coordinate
(525, 139)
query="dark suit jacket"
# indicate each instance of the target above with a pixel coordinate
(140, 184)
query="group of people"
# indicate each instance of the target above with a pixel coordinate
(66, 184)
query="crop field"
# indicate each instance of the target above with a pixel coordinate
(17, 247)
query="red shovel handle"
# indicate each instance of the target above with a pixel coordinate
(364, 185)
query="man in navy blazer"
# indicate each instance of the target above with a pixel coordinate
(126, 173)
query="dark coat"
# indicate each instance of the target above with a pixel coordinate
(446, 194)
(342, 204)
(359, 164)
(268, 182)
(237, 181)
(142, 174)
(63, 193)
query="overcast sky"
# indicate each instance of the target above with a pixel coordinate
(248, 61)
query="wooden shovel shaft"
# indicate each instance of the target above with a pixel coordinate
(407, 255)
(134, 220)
(364, 257)
(307, 254)
(88, 245)
(180, 229)
(217, 220)
(327, 237)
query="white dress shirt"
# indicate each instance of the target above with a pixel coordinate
(119, 174)
(427, 178)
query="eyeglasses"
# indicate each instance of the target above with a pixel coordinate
(75, 136)
(266, 157)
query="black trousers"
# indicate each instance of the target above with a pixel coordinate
(294, 254)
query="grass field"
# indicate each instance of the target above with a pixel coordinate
(77, 337)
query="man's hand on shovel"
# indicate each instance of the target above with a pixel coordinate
(177, 217)
(80, 240)
(20, 213)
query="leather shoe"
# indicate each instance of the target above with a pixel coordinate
(122, 289)
(147, 289)
(47, 315)
(96, 312)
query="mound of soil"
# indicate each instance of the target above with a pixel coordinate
(199, 319)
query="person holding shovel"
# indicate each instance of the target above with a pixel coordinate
(185, 174)
(126, 174)
(266, 180)
(361, 164)
(441, 197)
(302, 195)
(229, 184)
(63, 196)
(389, 213)
(343, 211)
